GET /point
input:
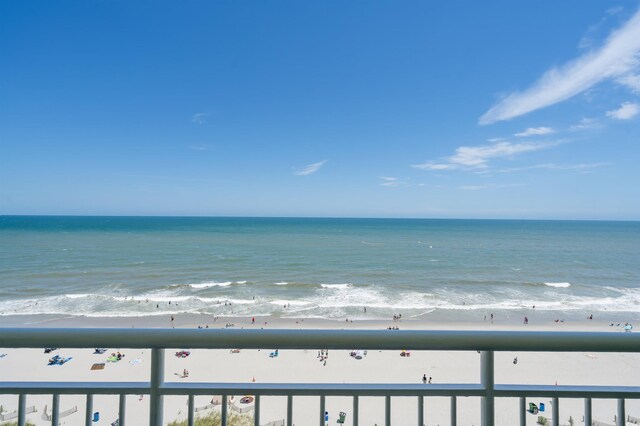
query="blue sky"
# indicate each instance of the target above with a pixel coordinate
(355, 109)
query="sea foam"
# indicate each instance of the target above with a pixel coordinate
(211, 284)
(558, 285)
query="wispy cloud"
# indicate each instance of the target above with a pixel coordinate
(626, 111)
(616, 58)
(307, 170)
(582, 167)
(392, 181)
(477, 157)
(631, 81)
(488, 186)
(200, 118)
(535, 131)
(585, 124)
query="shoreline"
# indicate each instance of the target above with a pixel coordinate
(269, 322)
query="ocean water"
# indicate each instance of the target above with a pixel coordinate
(318, 268)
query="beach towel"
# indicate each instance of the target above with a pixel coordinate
(58, 360)
(2, 355)
(135, 361)
(113, 359)
(97, 366)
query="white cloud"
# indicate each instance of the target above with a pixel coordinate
(631, 81)
(392, 181)
(199, 118)
(488, 186)
(311, 168)
(535, 131)
(618, 57)
(474, 157)
(626, 111)
(430, 165)
(389, 181)
(584, 124)
(582, 167)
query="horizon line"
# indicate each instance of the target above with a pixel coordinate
(312, 217)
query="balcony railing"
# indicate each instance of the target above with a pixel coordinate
(487, 342)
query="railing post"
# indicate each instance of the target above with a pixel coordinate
(22, 409)
(190, 415)
(289, 410)
(421, 410)
(387, 410)
(555, 412)
(622, 416)
(523, 411)
(156, 406)
(55, 410)
(88, 410)
(356, 409)
(122, 409)
(322, 410)
(224, 410)
(454, 411)
(487, 381)
(587, 412)
(256, 411)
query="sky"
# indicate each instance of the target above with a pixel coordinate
(497, 109)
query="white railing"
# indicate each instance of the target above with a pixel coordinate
(487, 342)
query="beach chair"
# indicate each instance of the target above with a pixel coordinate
(96, 417)
(533, 408)
(273, 354)
(341, 417)
(542, 407)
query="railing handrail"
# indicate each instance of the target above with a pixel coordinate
(485, 342)
(453, 340)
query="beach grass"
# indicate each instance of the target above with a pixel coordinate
(215, 419)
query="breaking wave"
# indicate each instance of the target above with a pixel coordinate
(558, 285)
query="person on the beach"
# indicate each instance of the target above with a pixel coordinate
(424, 379)
(430, 380)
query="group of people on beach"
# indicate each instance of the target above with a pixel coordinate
(424, 379)
(323, 355)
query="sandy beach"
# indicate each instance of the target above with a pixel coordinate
(306, 366)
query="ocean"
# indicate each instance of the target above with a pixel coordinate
(318, 268)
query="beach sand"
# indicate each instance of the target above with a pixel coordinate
(304, 366)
